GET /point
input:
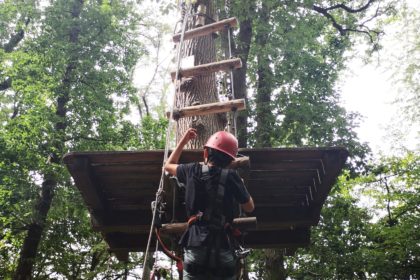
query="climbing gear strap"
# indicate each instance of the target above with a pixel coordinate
(213, 214)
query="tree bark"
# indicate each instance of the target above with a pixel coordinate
(201, 89)
(264, 115)
(9, 47)
(274, 266)
(239, 77)
(274, 258)
(16, 38)
(240, 49)
(33, 238)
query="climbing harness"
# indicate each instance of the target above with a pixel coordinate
(215, 220)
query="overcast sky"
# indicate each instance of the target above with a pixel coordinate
(370, 90)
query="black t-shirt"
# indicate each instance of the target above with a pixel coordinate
(234, 191)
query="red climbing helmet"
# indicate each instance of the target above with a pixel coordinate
(225, 142)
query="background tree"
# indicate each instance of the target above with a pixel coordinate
(367, 238)
(404, 69)
(65, 84)
(295, 52)
(69, 90)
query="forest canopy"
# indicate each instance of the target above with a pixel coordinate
(68, 83)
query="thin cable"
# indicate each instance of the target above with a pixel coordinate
(168, 132)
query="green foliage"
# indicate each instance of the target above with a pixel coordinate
(394, 186)
(369, 227)
(338, 243)
(85, 63)
(294, 62)
(153, 134)
(70, 248)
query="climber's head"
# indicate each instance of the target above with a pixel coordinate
(221, 148)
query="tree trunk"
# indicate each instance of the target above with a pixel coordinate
(201, 89)
(274, 267)
(264, 117)
(33, 237)
(239, 78)
(240, 48)
(31, 242)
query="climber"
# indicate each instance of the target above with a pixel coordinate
(211, 192)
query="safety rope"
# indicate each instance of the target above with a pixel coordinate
(167, 142)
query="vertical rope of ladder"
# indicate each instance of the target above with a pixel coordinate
(231, 82)
(167, 142)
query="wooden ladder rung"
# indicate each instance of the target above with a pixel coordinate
(224, 65)
(179, 228)
(209, 108)
(206, 29)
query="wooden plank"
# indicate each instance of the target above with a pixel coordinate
(117, 157)
(130, 181)
(141, 177)
(122, 228)
(209, 108)
(333, 163)
(304, 188)
(120, 220)
(254, 239)
(277, 238)
(313, 164)
(272, 155)
(86, 183)
(263, 156)
(279, 200)
(124, 169)
(278, 182)
(283, 215)
(206, 29)
(240, 162)
(203, 69)
(139, 201)
(129, 192)
(280, 188)
(122, 255)
(267, 174)
(179, 228)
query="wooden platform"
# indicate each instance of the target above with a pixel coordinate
(289, 187)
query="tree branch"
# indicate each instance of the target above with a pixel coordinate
(391, 221)
(7, 83)
(362, 28)
(15, 38)
(325, 13)
(350, 10)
